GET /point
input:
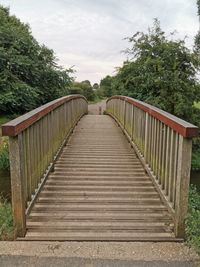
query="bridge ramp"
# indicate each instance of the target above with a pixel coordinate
(99, 190)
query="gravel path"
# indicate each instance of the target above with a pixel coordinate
(108, 254)
(94, 108)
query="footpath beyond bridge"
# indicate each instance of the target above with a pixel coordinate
(91, 181)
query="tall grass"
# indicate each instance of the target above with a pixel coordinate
(6, 221)
(193, 219)
(4, 155)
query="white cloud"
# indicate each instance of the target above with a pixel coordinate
(88, 33)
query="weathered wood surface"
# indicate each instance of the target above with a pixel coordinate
(16, 126)
(99, 190)
(163, 143)
(186, 129)
(35, 140)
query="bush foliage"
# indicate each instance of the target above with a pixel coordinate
(4, 155)
(6, 221)
(193, 219)
(29, 74)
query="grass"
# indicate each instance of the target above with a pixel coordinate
(6, 221)
(193, 219)
(196, 160)
(96, 100)
(4, 155)
(197, 105)
(3, 119)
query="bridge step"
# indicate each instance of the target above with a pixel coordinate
(99, 191)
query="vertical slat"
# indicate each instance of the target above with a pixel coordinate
(171, 166)
(163, 157)
(132, 123)
(146, 144)
(27, 173)
(175, 169)
(166, 175)
(32, 160)
(24, 140)
(157, 149)
(154, 145)
(160, 151)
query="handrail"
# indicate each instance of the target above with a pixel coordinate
(35, 141)
(16, 126)
(184, 128)
(163, 143)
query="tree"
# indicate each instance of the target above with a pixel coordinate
(95, 86)
(83, 88)
(105, 85)
(161, 72)
(197, 37)
(29, 74)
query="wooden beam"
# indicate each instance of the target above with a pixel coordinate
(17, 184)
(182, 185)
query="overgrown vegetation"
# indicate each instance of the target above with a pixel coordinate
(193, 219)
(3, 119)
(6, 221)
(4, 155)
(83, 88)
(29, 74)
(160, 71)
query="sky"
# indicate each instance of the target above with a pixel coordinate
(89, 34)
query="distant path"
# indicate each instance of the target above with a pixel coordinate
(93, 109)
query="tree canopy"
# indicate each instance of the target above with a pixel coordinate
(105, 85)
(29, 74)
(83, 88)
(159, 71)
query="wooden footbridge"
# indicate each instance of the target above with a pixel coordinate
(122, 176)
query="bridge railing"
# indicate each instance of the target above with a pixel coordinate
(35, 140)
(163, 143)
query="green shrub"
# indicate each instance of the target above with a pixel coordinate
(193, 219)
(196, 160)
(6, 221)
(4, 156)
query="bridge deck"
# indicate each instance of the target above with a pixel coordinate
(99, 191)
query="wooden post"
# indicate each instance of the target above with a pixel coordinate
(100, 110)
(17, 182)
(182, 184)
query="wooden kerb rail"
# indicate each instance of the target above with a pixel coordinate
(163, 143)
(35, 140)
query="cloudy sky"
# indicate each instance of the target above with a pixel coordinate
(88, 34)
